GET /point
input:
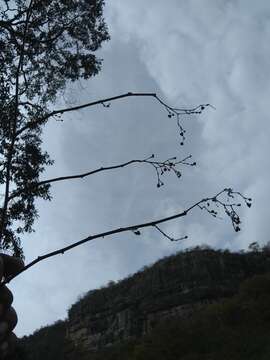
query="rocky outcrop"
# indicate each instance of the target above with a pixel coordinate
(172, 287)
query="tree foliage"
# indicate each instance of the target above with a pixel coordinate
(44, 45)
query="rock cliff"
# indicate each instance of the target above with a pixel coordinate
(174, 286)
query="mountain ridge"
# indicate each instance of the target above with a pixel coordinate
(173, 287)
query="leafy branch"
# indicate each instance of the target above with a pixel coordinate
(13, 127)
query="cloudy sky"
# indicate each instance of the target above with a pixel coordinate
(188, 52)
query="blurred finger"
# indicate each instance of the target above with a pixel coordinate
(12, 265)
(10, 318)
(8, 323)
(6, 299)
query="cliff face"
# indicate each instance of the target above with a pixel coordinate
(174, 286)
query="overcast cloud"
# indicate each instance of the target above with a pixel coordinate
(189, 52)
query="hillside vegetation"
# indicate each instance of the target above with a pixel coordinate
(236, 327)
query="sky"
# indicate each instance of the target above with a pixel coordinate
(188, 52)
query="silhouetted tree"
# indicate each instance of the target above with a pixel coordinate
(44, 45)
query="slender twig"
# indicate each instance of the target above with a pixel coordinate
(169, 237)
(159, 166)
(103, 235)
(133, 228)
(107, 101)
(78, 107)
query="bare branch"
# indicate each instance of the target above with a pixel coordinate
(106, 102)
(135, 228)
(169, 237)
(161, 167)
